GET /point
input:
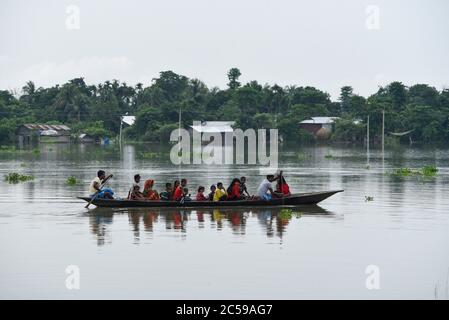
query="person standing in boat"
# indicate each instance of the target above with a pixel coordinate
(265, 190)
(95, 186)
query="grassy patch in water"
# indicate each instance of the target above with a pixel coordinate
(287, 214)
(151, 155)
(427, 171)
(71, 181)
(303, 156)
(329, 156)
(14, 177)
(14, 150)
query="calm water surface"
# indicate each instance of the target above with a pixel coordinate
(323, 252)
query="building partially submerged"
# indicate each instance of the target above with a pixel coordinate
(43, 133)
(320, 127)
(86, 138)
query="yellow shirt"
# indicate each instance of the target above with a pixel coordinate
(219, 193)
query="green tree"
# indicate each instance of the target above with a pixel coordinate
(233, 76)
(346, 94)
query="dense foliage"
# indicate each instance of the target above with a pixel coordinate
(96, 109)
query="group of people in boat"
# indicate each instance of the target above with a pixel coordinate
(178, 191)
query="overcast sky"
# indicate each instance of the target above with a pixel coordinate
(326, 44)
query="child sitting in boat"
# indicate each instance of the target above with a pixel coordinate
(167, 194)
(200, 195)
(185, 195)
(135, 194)
(212, 192)
(220, 194)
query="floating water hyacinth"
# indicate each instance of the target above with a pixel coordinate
(427, 171)
(14, 177)
(71, 181)
(287, 214)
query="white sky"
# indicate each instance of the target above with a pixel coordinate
(326, 44)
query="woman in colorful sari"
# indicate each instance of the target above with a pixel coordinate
(148, 191)
(234, 192)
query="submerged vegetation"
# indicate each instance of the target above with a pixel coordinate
(14, 177)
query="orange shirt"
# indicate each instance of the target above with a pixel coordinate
(178, 194)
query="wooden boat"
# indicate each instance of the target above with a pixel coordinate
(293, 200)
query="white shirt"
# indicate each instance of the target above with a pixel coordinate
(92, 190)
(263, 188)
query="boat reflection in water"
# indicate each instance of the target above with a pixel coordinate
(159, 221)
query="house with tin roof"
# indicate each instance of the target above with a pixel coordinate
(320, 127)
(43, 133)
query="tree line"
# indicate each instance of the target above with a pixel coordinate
(96, 109)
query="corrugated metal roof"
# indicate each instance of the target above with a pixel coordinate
(320, 120)
(214, 126)
(56, 127)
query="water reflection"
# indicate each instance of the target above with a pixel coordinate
(153, 221)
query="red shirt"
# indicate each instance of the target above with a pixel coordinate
(235, 193)
(284, 188)
(178, 193)
(200, 197)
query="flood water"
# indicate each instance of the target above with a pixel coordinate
(253, 253)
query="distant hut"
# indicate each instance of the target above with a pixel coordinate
(320, 127)
(86, 138)
(43, 133)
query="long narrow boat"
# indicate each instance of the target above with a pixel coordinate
(293, 200)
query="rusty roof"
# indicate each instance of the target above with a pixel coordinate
(56, 127)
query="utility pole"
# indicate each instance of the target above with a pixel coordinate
(367, 141)
(383, 140)
(383, 131)
(120, 135)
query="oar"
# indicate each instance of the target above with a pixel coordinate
(96, 193)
